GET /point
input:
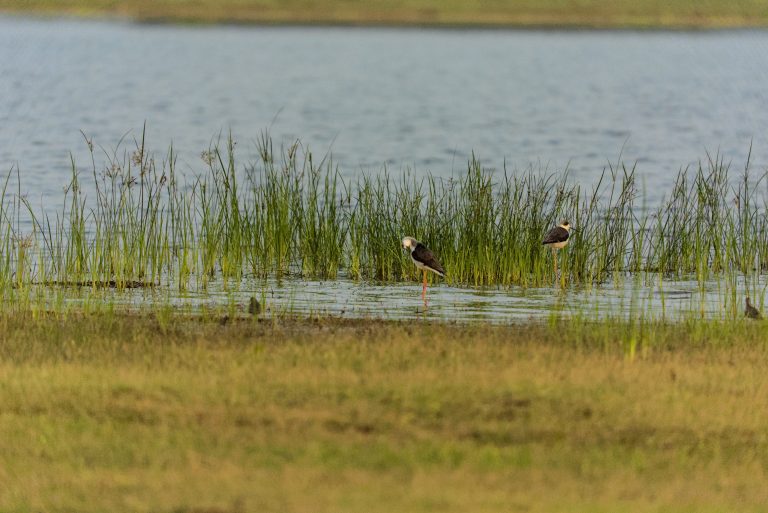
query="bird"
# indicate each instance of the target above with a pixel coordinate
(557, 238)
(424, 260)
(254, 307)
(750, 311)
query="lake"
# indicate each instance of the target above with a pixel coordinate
(394, 99)
(400, 98)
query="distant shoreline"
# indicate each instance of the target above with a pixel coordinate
(527, 14)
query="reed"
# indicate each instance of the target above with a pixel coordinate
(137, 222)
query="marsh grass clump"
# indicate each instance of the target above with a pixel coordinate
(135, 220)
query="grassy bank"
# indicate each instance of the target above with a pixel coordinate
(525, 13)
(120, 414)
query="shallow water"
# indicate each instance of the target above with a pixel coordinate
(400, 97)
(628, 298)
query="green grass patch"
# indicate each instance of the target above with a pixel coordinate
(137, 222)
(128, 414)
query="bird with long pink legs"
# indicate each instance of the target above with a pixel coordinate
(557, 238)
(424, 260)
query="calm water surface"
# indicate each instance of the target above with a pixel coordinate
(651, 298)
(423, 99)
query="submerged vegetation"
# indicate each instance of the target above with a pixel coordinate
(137, 221)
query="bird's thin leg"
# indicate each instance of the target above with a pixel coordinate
(424, 289)
(554, 256)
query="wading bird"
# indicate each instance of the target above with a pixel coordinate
(424, 260)
(751, 312)
(557, 238)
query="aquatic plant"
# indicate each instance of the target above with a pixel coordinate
(138, 222)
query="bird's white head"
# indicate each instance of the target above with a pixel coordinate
(566, 226)
(409, 243)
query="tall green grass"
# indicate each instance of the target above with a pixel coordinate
(137, 221)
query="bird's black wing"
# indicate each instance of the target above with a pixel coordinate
(426, 257)
(557, 234)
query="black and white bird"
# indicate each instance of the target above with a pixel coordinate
(557, 238)
(424, 260)
(751, 312)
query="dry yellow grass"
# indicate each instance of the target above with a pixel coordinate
(584, 13)
(127, 414)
